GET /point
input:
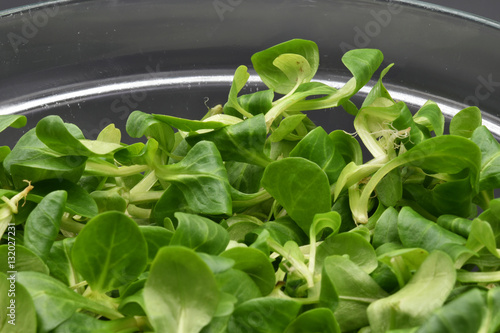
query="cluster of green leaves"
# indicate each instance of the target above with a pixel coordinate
(253, 219)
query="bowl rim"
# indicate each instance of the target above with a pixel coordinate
(413, 3)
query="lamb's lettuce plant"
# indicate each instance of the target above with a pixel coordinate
(254, 219)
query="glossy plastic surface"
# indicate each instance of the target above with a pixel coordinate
(93, 62)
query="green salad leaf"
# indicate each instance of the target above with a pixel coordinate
(252, 218)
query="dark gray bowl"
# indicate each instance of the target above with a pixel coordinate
(93, 62)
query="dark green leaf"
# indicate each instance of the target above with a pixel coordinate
(445, 154)
(59, 262)
(244, 177)
(390, 189)
(362, 63)
(199, 234)
(354, 289)
(459, 225)
(319, 148)
(342, 207)
(410, 133)
(44, 166)
(82, 323)
(242, 142)
(319, 320)
(239, 284)
(119, 255)
(416, 231)
(451, 197)
(462, 315)
(188, 125)
(53, 132)
(265, 315)
(300, 186)
(385, 277)
(141, 124)
(286, 126)
(492, 216)
(136, 153)
(32, 159)
(42, 226)
(386, 230)
(78, 202)
(282, 231)
(133, 305)
(30, 149)
(171, 201)
(256, 264)
(202, 178)
(156, 238)
(255, 103)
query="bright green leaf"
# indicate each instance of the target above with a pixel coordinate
(465, 122)
(412, 305)
(275, 77)
(181, 293)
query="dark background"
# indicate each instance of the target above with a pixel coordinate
(486, 8)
